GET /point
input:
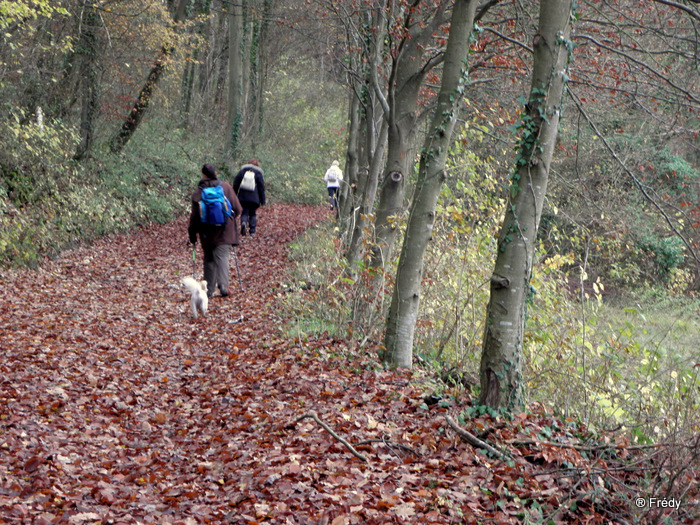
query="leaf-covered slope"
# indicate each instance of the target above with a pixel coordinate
(117, 407)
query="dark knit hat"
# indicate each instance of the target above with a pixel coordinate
(209, 171)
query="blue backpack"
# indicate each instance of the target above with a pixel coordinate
(214, 208)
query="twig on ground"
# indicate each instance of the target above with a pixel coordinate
(582, 448)
(328, 429)
(473, 440)
(389, 444)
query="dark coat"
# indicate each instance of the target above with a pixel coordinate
(212, 236)
(254, 197)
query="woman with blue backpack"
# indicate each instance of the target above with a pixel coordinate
(213, 217)
(249, 186)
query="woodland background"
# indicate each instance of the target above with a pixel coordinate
(111, 107)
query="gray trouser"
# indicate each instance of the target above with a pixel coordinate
(216, 263)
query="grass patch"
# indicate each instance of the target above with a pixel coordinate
(315, 296)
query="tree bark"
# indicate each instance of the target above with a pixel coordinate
(367, 193)
(371, 155)
(88, 50)
(502, 351)
(347, 190)
(398, 341)
(401, 111)
(235, 96)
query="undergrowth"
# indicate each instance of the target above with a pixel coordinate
(49, 202)
(607, 365)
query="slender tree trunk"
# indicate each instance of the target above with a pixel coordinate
(347, 190)
(502, 352)
(235, 96)
(142, 102)
(188, 83)
(225, 48)
(247, 56)
(87, 49)
(398, 341)
(139, 108)
(259, 29)
(262, 67)
(367, 192)
(376, 127)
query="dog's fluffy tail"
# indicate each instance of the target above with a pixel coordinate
(194, 286)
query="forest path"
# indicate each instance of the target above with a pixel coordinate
(117, 407)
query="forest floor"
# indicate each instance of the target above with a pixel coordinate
(117, 407)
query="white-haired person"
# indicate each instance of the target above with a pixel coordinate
(333, 177)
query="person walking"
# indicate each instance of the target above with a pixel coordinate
(249, 186)
(333, 177)
(216, 240)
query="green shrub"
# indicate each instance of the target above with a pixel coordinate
(666, 252)
(50, 203)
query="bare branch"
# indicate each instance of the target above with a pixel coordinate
(635, 179)
(641, 64)
(473, 440)
(328, 429)
(682, 7)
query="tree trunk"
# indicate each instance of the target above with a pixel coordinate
(87, 49)
(390, 206)
(225, 48)
(142, 102)
(401, 111)
(502, 352)
(195, 69)
(398, 341)
(367, 192)
(256, 75)
(235, 93)
(347, 189)
(362, 186)
(188, 83)
(139, 108)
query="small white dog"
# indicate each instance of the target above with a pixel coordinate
(199, 300)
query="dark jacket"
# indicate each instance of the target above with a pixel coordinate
(211, 236)
(254, 197)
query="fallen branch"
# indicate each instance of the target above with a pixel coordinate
(473, 440)
(582, 448)
(389, 444)
(328, 429)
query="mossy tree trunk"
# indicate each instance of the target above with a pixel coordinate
(502, 352)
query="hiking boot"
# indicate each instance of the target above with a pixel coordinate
(243, 229)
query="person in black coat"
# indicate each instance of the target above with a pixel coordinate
(249, 186)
